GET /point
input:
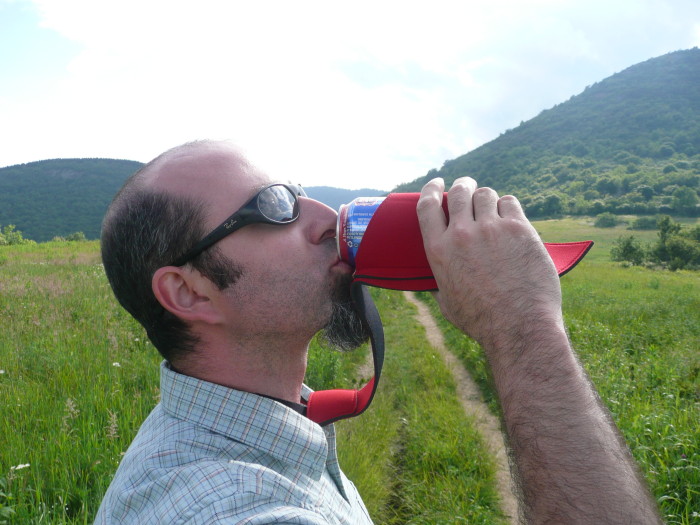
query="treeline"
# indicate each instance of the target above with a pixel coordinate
(581, 186)
(10, 235)
(58, 197)
(676, 248)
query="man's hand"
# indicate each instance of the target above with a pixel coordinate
(494, 274)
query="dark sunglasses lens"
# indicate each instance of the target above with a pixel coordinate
(277, 204)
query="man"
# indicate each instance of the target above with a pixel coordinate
(233, 315)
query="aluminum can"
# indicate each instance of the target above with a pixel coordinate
(353, 219)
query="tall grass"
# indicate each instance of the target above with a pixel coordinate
(414, 455)
(78, 376)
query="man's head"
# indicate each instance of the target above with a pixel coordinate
(264, 281)
(146, 227)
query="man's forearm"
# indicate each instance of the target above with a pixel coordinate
(571, 464)
(498, 285)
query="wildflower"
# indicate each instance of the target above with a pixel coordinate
(2, 372)
(113, 426)
(11, 476)
(116, 364)
(71, 412)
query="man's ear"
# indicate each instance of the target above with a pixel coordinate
(184, 293)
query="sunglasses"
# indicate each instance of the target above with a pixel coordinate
(274, 204)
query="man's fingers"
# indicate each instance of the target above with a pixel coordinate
(485, 204)
(459, 199)
(509, 208)
(431, 217)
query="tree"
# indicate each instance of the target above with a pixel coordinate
(676, 248)
(9, 235)
(646, 191)
(77, 236)
(644, 223)
(605, 220)
(627, 248)
(667, 227)
(682, 253)
(552, 205)
(685, 199)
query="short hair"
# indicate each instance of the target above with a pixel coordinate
(143, 230)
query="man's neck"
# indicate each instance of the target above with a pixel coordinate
(271, 370)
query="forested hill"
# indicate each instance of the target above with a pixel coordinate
(59, 197)
(50, 198)
(628, 144)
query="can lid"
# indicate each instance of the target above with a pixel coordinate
(342, 211)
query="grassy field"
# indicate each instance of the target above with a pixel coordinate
(414, 456)
(77, 377)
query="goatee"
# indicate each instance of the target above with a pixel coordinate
(345, 330)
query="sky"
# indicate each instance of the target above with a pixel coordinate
(348, 94)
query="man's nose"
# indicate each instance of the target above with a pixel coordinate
(321, 220)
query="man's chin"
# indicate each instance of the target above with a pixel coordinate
(345, 330)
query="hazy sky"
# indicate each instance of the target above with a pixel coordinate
(352, 94)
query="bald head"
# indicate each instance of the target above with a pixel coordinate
(176, 169)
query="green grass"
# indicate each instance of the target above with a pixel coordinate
(78, 378)
(582, 229)
(414, 456)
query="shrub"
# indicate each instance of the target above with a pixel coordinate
(627, 248)
(605, 220)
(77, 236)
(644, 223)
(10, 235)
(683, 252)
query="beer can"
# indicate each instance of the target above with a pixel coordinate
(353, 219)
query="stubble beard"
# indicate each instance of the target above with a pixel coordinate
(345, 331)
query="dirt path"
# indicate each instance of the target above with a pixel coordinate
(473, 405)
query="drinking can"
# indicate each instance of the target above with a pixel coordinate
(353, 219)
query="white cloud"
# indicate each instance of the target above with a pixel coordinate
(368, 94)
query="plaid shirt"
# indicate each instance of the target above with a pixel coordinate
(208, 454)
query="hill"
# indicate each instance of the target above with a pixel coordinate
(628, 144)
(334, 197)
(57, 197)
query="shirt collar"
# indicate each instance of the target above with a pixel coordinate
(253, 420)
